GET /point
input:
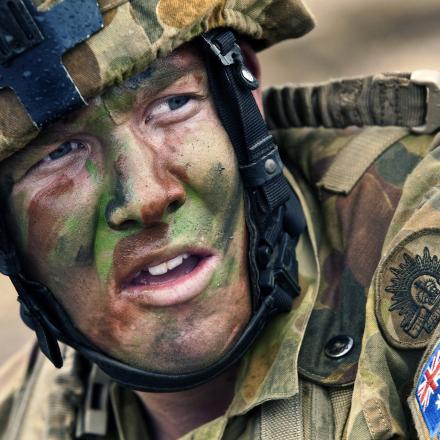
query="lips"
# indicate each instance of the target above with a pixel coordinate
(167, 271)
(167, 281)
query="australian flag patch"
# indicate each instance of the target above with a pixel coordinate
(428, 393)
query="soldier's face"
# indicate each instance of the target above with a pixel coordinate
(131, 212)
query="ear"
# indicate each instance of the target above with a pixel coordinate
(251, 61)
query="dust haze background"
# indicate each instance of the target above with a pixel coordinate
(352, 37)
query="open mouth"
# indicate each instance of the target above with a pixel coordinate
(172, 281)
(167, 271)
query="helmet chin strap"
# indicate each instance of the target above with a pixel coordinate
(53, 325)
(274, 219)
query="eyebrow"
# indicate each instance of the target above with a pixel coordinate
(159, 76)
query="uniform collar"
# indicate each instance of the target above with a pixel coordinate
(270, 370)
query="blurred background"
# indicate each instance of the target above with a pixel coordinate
(352, 37)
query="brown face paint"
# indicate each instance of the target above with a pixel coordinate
(39, 237)
(132, 250)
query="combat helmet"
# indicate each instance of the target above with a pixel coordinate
(57, 55)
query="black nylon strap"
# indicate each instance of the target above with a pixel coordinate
(257, 174)
(42, 313)
(151, 381)
(35, 319)
(9, 264)
(261, 170)
(243, 121)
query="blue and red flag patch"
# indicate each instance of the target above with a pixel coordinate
(428, 392)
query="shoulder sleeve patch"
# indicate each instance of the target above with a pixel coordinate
(425, 398)
(408, 290)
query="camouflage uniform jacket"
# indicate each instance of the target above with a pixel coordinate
(370, 278)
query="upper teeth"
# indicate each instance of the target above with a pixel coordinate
(162, 268)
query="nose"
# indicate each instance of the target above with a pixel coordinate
(145, 191)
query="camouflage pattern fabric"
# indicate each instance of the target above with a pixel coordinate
(349, 251)
(379, 249)
(39, 402)
(369, 262)
(354, 267)
(136, 32)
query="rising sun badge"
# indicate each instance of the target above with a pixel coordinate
(415, 289)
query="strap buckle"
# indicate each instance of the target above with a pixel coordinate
(279, 280)
(431, 80)
(93, 416)
(262, 170)
(18, 30)
(276, 254)
(232, 57)
(227, 59)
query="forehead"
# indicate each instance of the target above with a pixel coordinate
(162, 73)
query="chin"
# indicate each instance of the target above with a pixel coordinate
(178, 339)
(172, 354)
(171, 362)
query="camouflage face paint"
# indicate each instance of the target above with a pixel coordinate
(145, 178)
(92, 170)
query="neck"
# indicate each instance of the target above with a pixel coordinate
(175, 414)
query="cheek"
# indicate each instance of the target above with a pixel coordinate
(213, 189)
(56, 221)
(203, 149)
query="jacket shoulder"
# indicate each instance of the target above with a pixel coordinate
(337, 160)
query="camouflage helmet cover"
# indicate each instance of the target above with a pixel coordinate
(136, 32)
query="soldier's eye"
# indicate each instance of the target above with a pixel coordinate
(70, 155)
(63, 150)
(177, 101)
(64, 155)
(171, 107)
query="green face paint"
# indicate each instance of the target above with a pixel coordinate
(92, 170)
(131, 212)
(106, 241)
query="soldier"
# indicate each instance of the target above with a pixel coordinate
(187, 283)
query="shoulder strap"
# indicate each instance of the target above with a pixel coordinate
(356, 157)
(401, 99)
(282, 419)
